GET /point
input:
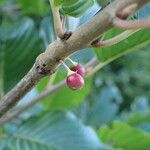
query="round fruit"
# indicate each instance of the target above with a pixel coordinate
(79, 69)
(75, 81)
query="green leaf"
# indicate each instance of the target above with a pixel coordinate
(64, 2)
(34, 7)
(126, 137)
(77, 9)
(42, 84)
(58, 2)
(55, 131)
(103, 3)
(135, 42)
(139, 120)
(1, 1)
(21, 45)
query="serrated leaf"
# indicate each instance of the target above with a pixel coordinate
(55, 131)
(21, 45)
(126, 137)
(135, 42)
(78, 8)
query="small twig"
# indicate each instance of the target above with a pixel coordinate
(130, 25)
(51, 80)
(64, 19)
(10, 115)
(58, 24)
(128, 11)
(57, 20)
(114, 40)
(72, 62)
(65, 66)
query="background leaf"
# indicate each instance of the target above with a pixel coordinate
(103, 3)
(124, 136)
(139, 120)
(33, 7)
(64, 2)
(100, 108)
(77, 9)
(124, 47)
(21, 45)
(47, 32)
(3, 144)
(49, 131)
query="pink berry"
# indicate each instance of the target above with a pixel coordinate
(79, 69)
(75, 81)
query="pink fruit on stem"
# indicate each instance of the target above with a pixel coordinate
(79, 69)
(75, 81)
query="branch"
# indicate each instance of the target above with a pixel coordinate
(10, 115)
(58, 24)
(114, 40)
(131, 25)
(56, 19)
(126, 12)
(50, 81)
(47, 62)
